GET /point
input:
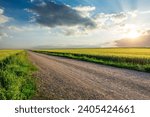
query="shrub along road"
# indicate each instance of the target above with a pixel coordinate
(63, 78)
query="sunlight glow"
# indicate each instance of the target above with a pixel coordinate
(132, 31)
(133, 34)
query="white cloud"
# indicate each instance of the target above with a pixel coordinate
(72, 26)
(85, 11)
(118, 18)
(103, 21)
(145, 12)
(3, 19)
(84, 8)
(15, 28)
(111, 19)
(117, 22)
(25, 28)
(133, 14)
(74, 30)
(3, 35)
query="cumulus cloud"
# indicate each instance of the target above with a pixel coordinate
(77, 20)
(52, 15)
(118, 18)
(103, 21)
(142, 41)
(106, 21)
(3, 19)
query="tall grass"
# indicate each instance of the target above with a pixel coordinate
(131, 58)
(16, 81)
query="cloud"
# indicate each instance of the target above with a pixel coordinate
(78, 20)
(31, 0)
(3, 19)
(102, 21)
(106, 21)
(15, 28)
(118, 18)
(85, 11)
(2, 35)
(52, 15)
(74, 30)
(142, 41)
(84, 8)
(145, 12)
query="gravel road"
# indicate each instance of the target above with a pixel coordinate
(63, 78)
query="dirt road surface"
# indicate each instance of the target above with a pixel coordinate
(63, 78)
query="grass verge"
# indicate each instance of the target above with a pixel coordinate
(16, 82)
(140, 64)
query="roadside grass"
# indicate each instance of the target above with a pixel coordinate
(130, 58)
(16, 82)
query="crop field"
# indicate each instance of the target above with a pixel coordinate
(6, 53)
(131, 58)
(15, 75)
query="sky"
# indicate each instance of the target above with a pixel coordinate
(74, 23)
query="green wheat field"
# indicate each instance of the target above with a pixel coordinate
(131, 58)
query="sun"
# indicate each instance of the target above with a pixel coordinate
(132, 31)
(133, 34)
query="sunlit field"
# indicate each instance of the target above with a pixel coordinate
(131, 58)
(119, 52)
(6, 53)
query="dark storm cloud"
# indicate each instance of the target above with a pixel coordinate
(142, 41)
(51, 14)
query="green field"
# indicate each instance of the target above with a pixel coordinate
(16, 81)
(131, 58)
(6, 53)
